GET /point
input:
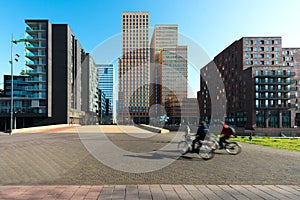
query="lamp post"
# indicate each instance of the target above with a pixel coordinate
(12, 83)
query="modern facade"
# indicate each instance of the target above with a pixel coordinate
(105, 84)
(89, 89)
(164, 36)
(52, 77)
(134, 69)
(169, 63)
(260, 84)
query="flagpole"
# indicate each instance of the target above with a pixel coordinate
(12, 86)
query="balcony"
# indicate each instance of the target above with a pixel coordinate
(284, 82)
(35, 55)
(35, 46)
(276, 75)
(30, 63)
(35, 71)
(32, 80)
(279, 107)
(32, 29)
(34, 88)
(276, 97)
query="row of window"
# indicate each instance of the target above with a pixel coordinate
(272, 87)
(135, 16)
(272, 72)
(261, 42)
(262, 62)
(261, 55)
(288, 52)
(272, 80)
(261, 49)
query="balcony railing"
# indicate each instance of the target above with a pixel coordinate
(35, 54)
(35, 63)
(284, 82)
(34, 71)
(36, 79)
(277, 75)
(34, 88)
(281, 106)
(34, 46)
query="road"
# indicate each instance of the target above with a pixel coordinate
(65, 158)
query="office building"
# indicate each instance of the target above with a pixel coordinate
(105, 84)
(52, 81)
(260, 84)
(134, 69)
(168, 63)
(164, 36)
(89, 89)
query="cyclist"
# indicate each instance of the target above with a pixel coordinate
(227, 132)
(200, 135)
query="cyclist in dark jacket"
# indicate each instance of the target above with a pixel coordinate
(200, 135)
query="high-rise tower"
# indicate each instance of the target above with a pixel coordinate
(134, 68)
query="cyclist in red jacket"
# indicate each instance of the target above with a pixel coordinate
(227, 133)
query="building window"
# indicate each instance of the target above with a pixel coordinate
(261, 48)
(247, 42)
(261, 62)
(261, 42)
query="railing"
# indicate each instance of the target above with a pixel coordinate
(35, 54)
(34, 88)
(284, 82)
(35, 72)
(276, 106)
(35, 63)
(35, 79)
(34, 46)
(276, 75)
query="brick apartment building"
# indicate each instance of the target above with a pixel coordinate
(260, 84)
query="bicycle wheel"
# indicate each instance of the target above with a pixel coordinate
(206, 152)
(183, 147)
(233, 148)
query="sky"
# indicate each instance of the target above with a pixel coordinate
(211, 24)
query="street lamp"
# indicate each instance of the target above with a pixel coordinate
(12, 81)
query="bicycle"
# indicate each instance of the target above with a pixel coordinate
(202, 148)
(232, 147)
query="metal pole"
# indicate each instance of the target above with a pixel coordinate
(12, 87)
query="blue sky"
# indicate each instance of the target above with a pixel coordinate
(212, 24)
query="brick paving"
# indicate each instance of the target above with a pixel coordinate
(57, 166)
(155, 192)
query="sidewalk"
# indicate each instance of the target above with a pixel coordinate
(49, 128)
(199, 192)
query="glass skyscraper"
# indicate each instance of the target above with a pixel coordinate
(105, 83)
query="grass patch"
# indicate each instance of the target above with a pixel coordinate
(281, 143)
